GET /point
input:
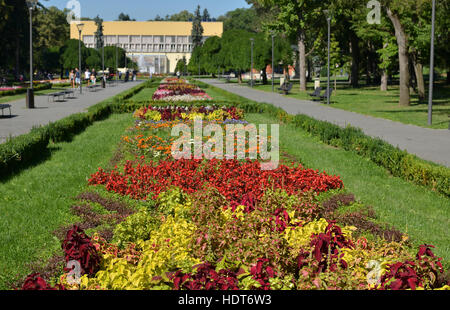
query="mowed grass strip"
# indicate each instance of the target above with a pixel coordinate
(37, 201)
(422, 214)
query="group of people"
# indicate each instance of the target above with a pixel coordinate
(90, 77)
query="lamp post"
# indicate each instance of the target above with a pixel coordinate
(30, 92)
(103, 61)
(80, 27)
(251, 72)
(273, 63)
(327, 13)
(430, 95)
(117, 63)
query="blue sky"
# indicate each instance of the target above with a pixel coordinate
(147, 9)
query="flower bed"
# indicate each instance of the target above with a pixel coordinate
(227, 224)
(178, 90)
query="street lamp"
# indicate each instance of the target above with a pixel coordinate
(103, 61)
(80, 27)
(251, 72)
(30, 93)
(273, 63)
(327, 14)
(430, 95)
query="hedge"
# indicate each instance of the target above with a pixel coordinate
(24, 90)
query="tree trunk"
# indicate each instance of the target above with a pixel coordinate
(264, 76)
(354, 45)
(448, 77)
(418, 69)
(384, 81)
(240, 77)
(402, 42)
(302, 61)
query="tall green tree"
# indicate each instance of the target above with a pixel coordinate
(241, 19)
(299, 19)
(197, 29)
(99, 33)
(206, 17)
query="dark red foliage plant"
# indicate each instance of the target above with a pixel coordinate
(78, 247)
(205, 278)
(34, 282)
(262, 271)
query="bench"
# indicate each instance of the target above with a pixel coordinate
(228, 79)
(57, 95)
(316, 93)
(285, 88)
(93, 87)
(328, 92)
(5, 106)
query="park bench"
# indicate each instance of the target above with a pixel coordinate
(57, 95)
(5, 106)
(228, 79)
(93, 87)
(327, 93)
(285, 88)
(316, 93)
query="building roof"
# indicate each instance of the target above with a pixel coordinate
(167, 28)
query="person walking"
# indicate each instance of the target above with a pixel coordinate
(72, 79)
(94, 77)
(87, 76)
(78, 77)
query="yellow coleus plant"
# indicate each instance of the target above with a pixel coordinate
(153, 116)
(167, 250)
(300, 237)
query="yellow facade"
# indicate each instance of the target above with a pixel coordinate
(155, 45)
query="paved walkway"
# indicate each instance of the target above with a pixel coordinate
(46, 111)
(429, 144)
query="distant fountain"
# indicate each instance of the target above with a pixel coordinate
(142, 63)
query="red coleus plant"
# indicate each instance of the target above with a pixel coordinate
(262, 271)
(326, 249)
(232, 178)
(409, 275)
(401, 276)
(205, 278)
(78, 247)
(35, 282)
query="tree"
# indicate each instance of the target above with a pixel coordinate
(125, 17)
(298, 19)
(183, 16)
(241, 19)
(99, 33)
(197, 29)
(206, 17)
(69, 55)
(181, 65)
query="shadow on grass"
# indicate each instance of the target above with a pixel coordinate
(39, 159)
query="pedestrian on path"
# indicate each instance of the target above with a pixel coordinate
(87, 76)
(78, 77)
(72, 78)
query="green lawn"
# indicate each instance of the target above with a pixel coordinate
(421, 213)
(144, 95)
(371, 101)
(37, 201)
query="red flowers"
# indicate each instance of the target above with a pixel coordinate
(77, 246)
(233, 179)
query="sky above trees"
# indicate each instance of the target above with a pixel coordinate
(148, 9)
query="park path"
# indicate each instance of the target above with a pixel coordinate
(429, 144)
(46, 111)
